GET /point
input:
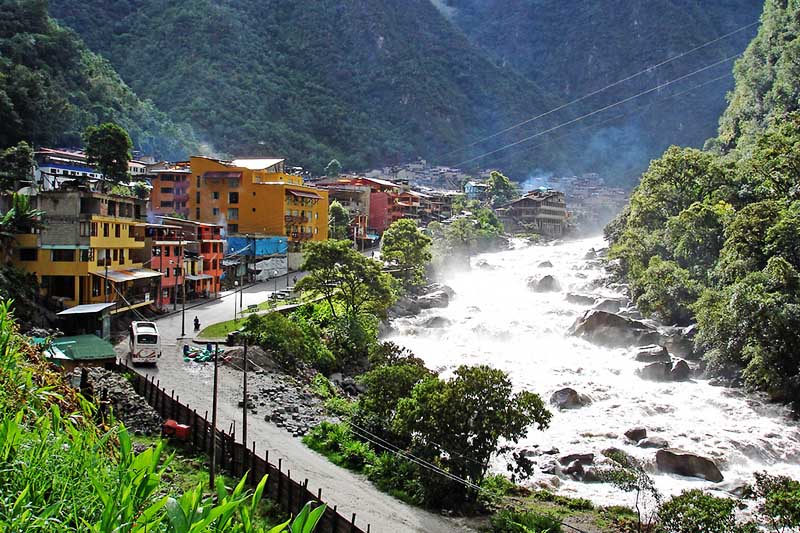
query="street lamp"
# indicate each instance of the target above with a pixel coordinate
(275, 275)
(183, 288)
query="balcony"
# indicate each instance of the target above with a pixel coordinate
(295, 219)
(300, 235)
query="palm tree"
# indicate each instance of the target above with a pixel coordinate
(20, 218)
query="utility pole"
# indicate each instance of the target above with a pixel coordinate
(183, 289)
(214, 419)
(105, 281)
(244, 407)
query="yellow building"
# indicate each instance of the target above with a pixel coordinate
(89, 237)
(257, 197)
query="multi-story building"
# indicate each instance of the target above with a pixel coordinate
(204, 249)
(543, 211)
(257, 197)
(56, 166)
(381, 209)
(170, 193)
(164, 247)
(89, 251)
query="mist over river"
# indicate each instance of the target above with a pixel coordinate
(495, 319)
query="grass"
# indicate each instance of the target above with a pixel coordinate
(220, 329)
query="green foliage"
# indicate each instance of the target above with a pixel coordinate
(338, 221)
(501, 189)
(629, 475)
(289, 342)
(778, 501)
(337, 443)
(333, 169)
(694, 511)
(404, 245)
(666, 291)
(513, 521)
(108, 148)
(16, 165)
(322, 387)
(52, 87)
(341, 274)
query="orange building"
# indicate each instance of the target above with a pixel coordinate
(257, 197)
(170, 193)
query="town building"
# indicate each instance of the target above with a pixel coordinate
(203, 250)
(53, 167)
(170, 189)
(257, 197)
(164, 247)
(476, 191)
(541, 211)
(89, 251)
(379, 206)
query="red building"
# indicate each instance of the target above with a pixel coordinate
(382, 198)
(203, 255)
(167, 244)
(169, 195)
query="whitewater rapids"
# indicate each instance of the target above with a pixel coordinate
(495, 319)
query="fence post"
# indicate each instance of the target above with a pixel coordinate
(353, 524)
(335, 518)
(280, 480)
(194, 429)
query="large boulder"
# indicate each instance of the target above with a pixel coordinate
(437, 322)
(612, 305)
(405, 307)
(681, 371)
(580, 299)
(545, 284)
(437, 298)
(545, 264)
(656, 372)
(568, 398)
(680, 340)
(674, 461)
(613, 331)
(636, 434)
(483, 264)
(652, 354)
(653, 442)
(581, 458)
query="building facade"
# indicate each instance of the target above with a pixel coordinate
(204, 249)
(257, 197)
(543, 211)
(170, 192)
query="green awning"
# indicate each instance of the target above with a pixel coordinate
(84, 347)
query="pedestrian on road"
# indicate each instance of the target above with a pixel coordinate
(294, 280)
(196, 324)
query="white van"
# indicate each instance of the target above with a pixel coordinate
(145, 343)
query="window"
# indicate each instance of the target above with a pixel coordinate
(233, 213)
(215, 211)
(166, 251)
(166, 272)
(233, 183)
(233, 228)
(233, 197)
(86, 229)
(176, 251)
(198, 182)
(215, 195)
(316, 216)
(115, 255)
(116, 230)
(105, 229)
(166, 190)
(28, 254)
(94, 229)
(254, 210)
(197, 197)
(87, 255)
(176, 271)
(156, 251)
(64, 256)
(166, 203)
(95, 286)
(164, 294)
(197, 212)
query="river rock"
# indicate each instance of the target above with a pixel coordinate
(656, 372)
(582, 458)
(545, 284)
(483, 264)
(580, 299)
(574, 469)
(437, 322)
(612, 305)
(613, 331)
(437, 298)
(545, 264)
(680, 340)
(591, 254)
(653, 442)
(405, 306)
(652, 354)
(568, 398)
(681, 371)
(636, 434)
(674, 461)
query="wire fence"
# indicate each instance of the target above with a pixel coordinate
(236, 458)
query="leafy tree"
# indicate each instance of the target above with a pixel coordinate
(744, 250)
(667, 291)
(464, 418)
(338, 221)
(289, 341)
(696, 235)
(333, 169)
(774, 165)
(341, 274)
(407, 247)
(695, 511)
(629, 475)
(783, 238)
(16, 165)
(501, 189)
(108, 148)
(20, 218)
(778, 500)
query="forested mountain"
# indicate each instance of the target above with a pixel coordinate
(713, 237)
(52, 87)
(574, 48)
(368, 82)
(379, 82)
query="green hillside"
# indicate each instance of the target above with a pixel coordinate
(367, 82)
(52, 87)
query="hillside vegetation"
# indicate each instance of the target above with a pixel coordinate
(52, 87)
(714, 237)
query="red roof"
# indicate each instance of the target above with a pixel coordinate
(303, 194)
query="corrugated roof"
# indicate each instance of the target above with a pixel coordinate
(132, 274)
(86, 309)
(84, 347)
(256, 164)
(304, 194)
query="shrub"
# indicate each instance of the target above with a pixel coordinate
(695, 510)
(512, 521)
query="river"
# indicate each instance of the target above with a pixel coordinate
(495, 319)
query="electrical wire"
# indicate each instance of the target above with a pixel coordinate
(605, 108)
(598, 91)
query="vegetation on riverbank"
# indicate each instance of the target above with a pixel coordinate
(713, 237)
(64, 468)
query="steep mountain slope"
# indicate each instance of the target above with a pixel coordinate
(368, 82)
(52, 87)
(767, 78)
(574, 48)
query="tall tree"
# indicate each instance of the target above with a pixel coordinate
(338, 221)
(407, 247)
(501, 189)
(16, 165)
(333, 169)
(108, 147)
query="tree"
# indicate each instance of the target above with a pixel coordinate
(339, 273)
(628, 475)
(696, 236)
(20, 218)
(338, 221)
(501, 189)
(289, 341)
(667, 291)
(461, 421)
(16, 165)
(333, 169)
(408, 248)
(778, 501)
(695, 511)
(108, 148)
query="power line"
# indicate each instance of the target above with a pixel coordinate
(587, 115)
(614, 84)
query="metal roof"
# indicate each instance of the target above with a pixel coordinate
(84, 347)
(86, 309)
(304, 194)
(118, 276)
(256, 164)
(198, 277)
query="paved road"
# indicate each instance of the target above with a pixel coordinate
(192, 382)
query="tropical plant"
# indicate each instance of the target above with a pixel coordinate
(20, 218)
(404, 245)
